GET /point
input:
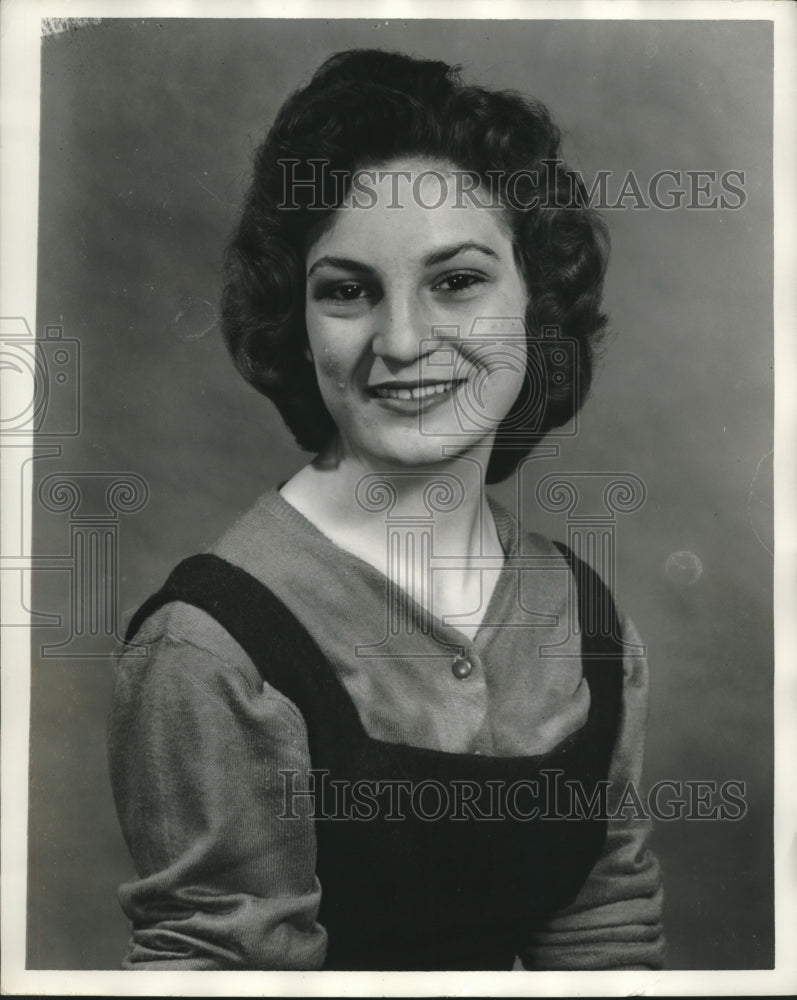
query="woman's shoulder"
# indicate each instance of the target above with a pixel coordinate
(183, 657)
(253, 541)
(181, 622)
(558, 556)
(248, 543)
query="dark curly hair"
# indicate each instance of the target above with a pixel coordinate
(365, 107)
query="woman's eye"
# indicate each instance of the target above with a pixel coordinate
(458, 282)
(347, 291)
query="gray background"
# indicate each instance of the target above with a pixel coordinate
(146, 135)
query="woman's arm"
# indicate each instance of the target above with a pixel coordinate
(196, 744)
(615, 921)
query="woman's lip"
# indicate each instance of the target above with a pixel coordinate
(414, 389)
(427, 399)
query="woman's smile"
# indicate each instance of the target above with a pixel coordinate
(410, 398)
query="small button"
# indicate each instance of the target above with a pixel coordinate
(461, 668)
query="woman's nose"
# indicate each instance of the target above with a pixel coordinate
(400, 328)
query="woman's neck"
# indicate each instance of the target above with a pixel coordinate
(389, 518)
(351, 498)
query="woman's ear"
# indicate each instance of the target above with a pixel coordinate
(308, 354)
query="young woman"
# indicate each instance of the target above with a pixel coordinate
(374, 727)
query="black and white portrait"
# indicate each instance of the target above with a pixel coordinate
(391, 575)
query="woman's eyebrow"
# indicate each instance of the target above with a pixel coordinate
(436, 257)
(446, 253)
(343, 263)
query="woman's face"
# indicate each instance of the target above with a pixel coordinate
(415, 319)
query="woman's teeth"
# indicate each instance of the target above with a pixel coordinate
(419, 392)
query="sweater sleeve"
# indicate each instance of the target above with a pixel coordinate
(615, 921)
(196, 747)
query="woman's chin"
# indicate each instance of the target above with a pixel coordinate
(422, 452)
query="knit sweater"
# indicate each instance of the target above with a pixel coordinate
(199, 746)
